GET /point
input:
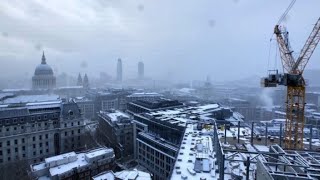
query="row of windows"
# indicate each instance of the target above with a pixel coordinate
(23, 119)
(72, 124)
(22, 127)
(16, 150)
(15, 141)
(72, 132)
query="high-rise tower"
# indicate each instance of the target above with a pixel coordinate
(140, 70)
(119, 70)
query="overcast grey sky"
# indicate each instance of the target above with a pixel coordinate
(180, 39)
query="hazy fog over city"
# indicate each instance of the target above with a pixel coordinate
(159, 89)
(177, 40)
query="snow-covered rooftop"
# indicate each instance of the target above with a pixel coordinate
(65, 163)
(123, 175)
(196, 157)
(145, 94)
(30, 99)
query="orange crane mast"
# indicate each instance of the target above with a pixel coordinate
(295, 83)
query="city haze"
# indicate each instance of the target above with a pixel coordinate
(177, 41)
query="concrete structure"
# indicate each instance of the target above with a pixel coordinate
(86, 106)
(34, 130)
(43, 76)
(196, 157)
(159, 132)
(123, 175)
(73, 165)
(70, 91)
(148, 105)
(143, 96)
(115, 130)
(119, 70)
(140, 70)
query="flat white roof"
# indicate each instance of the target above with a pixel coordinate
(132, 174)
(80, 162)
(195, 159)
(59, 157)
(98, 152)
(31, 99)
(104, 176)
(114, 116)
(144, 94)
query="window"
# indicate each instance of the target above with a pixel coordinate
(40, 137)
(34, 153)
(23, 148)
(47, 136)
(47, 143)
(32, 118)
(16, 149)
(0, 123)
(45, 124)
(0, 144)
(72, 132)
(0, 153)
(15, 128)
(22, 140)
(40, 144)
(45, 116)
(8, 143)
(7, 129)
(65, 124)
(15, 120)
(79, 123)
(40, 151)
(79, 131)
(7, 121)
(8, 151)
(39, 124)
(22, 127)
(66, 133)
(15, 141)
(9, 158)
(34, 145)
(34, 138)
(39, 117)
(23, 155)
(72, 124)
(22, 120)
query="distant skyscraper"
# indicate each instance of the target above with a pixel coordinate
(79, 82)
(119, 70)
(140, 70)
(86, 81)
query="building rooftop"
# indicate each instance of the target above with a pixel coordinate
(115, 116)
(30, 99)
(183, 115)
(123, 175)
(195, 159)
(65, 163)
(143, 94)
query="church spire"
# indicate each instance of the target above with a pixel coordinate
(43, 59)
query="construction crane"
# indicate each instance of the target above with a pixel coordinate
(293, 79)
